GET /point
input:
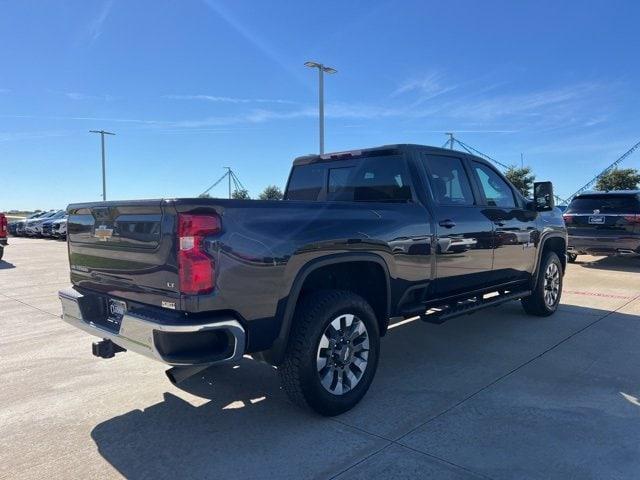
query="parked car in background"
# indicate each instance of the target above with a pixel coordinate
(46, 227)
(34, 227)
(604, 223)
(309, 284)
(59, 228)
(13, 227)
(4, 232)
(21, 225)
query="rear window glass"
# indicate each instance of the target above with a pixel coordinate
(605, 203)
(377, 179)
(370, 179)
(306, 182)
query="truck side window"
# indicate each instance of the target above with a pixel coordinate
(449, 181)
(496, 191)
(306, 182)
(376, 179)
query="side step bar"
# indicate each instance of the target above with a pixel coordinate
(439, 315)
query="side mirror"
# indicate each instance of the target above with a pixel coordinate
(543, 199)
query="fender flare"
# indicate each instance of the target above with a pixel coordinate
(543, 239)
(276, 353)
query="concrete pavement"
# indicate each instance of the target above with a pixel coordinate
(496, 394)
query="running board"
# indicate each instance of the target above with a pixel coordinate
(440, 315)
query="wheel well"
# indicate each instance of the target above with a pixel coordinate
(364, 278)
(559, 246)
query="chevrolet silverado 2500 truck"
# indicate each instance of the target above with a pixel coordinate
(309, 284)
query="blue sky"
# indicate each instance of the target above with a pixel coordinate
(193, 86)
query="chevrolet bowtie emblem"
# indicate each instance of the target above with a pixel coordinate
(103, 233)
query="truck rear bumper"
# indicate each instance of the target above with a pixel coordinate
(222, 340)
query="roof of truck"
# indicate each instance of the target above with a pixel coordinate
(389, 149)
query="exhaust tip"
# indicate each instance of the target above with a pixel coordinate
(178, 375)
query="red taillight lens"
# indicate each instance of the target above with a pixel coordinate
(3, 226)
(635, 219)
(568, 219)
(195, 267)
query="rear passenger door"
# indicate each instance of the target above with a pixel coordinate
(515, 226)
(464, 253)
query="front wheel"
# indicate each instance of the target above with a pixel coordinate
(333, 352)
(545, 297)
(571, 257)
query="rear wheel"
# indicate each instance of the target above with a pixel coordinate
(333, 352)
(545, 297)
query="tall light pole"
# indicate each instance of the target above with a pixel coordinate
(104, 181)
(322, 69)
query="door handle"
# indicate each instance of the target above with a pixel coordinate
(447, 223)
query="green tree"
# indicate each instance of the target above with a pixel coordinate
(272, 192)
(521, 178)
(240, 194)
(619, 179)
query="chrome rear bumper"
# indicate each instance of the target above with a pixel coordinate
(152, 338)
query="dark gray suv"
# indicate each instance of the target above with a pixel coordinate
(604, 223)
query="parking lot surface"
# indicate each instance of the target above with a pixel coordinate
(496, 394)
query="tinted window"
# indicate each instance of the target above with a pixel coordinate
(338, 183)
(364, 179)
(609, 203)
(306, 182)
(496, 191)
(449, 181)
(375, 179)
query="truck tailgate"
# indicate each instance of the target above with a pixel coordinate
(125, 250)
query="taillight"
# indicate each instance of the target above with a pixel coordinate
(195, 267)
(635, 219)
(3, 226)
(568, 219)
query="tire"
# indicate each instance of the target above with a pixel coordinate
(543, 302)
(314, 378)
(1, 251)
(571, 257)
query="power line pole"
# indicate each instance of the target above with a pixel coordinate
(450, 141)
(104, 180)
(229, 178)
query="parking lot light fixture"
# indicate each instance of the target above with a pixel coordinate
(322, 69)
(104, 181)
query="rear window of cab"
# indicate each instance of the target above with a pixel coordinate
(368, 179)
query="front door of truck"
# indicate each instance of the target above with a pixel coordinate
(515, 227)
(464, 241)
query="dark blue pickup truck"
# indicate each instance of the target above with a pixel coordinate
(310, 284)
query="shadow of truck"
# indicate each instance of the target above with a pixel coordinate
(552, 395)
